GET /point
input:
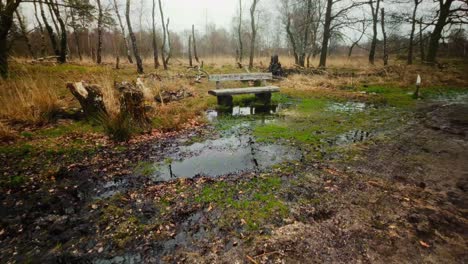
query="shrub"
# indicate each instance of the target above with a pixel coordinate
(117, 126)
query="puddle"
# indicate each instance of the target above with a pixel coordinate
(234, 151)
(349, 107)
(223, 156)
(349, 137)
(111, 188)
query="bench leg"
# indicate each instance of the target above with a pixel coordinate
(225, 100)
(265, 98)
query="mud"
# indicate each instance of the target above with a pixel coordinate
(401, 199)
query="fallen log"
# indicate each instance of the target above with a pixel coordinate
(90, 98)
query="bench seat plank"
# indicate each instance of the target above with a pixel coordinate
(248, 90)
(241, 77)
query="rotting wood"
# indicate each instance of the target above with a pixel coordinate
(132, 103)
(90, 98)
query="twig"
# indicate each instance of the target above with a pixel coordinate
(251, 259)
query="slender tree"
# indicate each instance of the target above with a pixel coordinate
(41, 31)
(409, 60)
(239, 33)
(99, 31)
(122, 28)
(421, 41)
(375, 16)
(253, 26)
(385, 51)
(50, 31)
(155, 42)
(326, 33)
(133, 39)
(195, 53)
(163, 46)
(190, 51)
(24, 32)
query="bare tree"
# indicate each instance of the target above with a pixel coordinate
(356, 42)
(50, 31)
(41, 31)
(24, 32)
(447, 13)
(421, 40)
(62, 58)
(163, 46)
(239, 33)
(254, 32)
(385, 51)
(169, 48)
(190, 51)
(99, 31)
(122, 28)
(133, 39)
(413, 29)
(155, 42)
(195, 53)
(375, 16)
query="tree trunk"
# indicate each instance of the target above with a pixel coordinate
(169, 47)
(291, 39)
(190, 51)
(76, 33)
(305, 43)
(41, 30)
(99, 31)
(375, 17)
(155, 42)
(421, 41)
(62, 58)
(133, 39)
(385, 52)
(132, 104)
(6, 22)
(437, 32)
(326, 34)
(24, 33)
(127, 45)
(413, 28)
(50, 31)
(254, 33)
(163, 46)
(90, 98)
(195, 53)
(239, 33)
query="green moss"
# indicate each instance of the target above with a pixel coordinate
(13, 181)
(145, 168)
(254, 201)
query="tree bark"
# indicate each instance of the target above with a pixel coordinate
(195, 53)
(169, 47)
(291, 39)
(421, 42)
(163, 47)
(326, 34)
(444, 12)
(254, 33)
(190, 51)
(132, 104)
(76, 33)
(25, 33)
(385, 52)
(90, 98)
(6, 21)
(239, 33)
(133, 39)
(127, 45)
(99, 31)
(413, 29)
(50, 31)
(375, 17)
(155, 42)
(41, 30)
(62, 58)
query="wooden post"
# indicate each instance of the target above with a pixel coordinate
(418, 85)
(218, 85)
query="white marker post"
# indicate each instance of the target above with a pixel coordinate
(418, 85)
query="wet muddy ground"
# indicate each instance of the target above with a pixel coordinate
(226, 193)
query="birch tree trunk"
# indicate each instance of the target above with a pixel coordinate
(133, 39)
(122, 28)
(155, 42)
(99, 31)
(254, 33)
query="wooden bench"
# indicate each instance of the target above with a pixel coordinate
(263, 93)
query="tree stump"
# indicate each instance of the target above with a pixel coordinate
(90, 98)
(132, 104)
(275, 66)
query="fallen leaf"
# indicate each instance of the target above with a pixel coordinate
(424, 244)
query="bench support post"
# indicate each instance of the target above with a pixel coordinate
(225, 100)
(265, 98)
